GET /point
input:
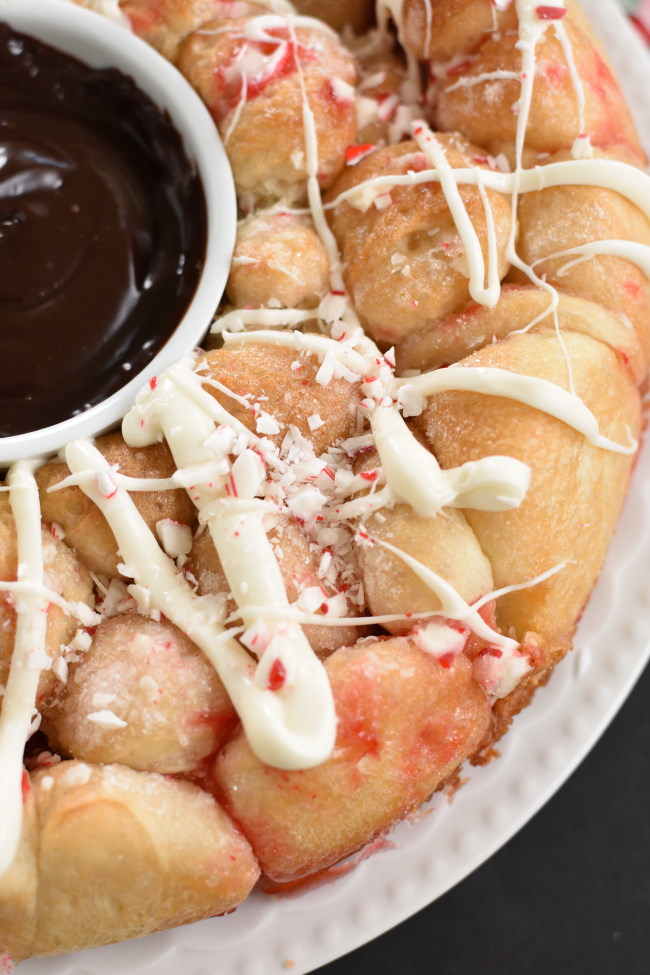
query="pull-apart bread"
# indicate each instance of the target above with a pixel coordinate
(329, 557)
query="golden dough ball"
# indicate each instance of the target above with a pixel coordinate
(355, 15)
(563, 217)
(122, 854)
(567, 518)
(486, 107)
(279, 261)
(142, 695)
(446, 545)
(253, 86)
(519, 307)
(164, 23)
(404, 259)
(65, 575)
(439, 30)
(282, 382)
(405, 722)
(299, 566)
(19, 887)
(85, 528)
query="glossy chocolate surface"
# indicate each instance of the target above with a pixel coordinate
(102, 233)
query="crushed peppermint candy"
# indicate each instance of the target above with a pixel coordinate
(102, 700)
(354, 154)
(106, 719)
(549, 12)
(175, 537)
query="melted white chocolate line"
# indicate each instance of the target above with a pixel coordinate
(317, 619)
(249, 64)
(472, 82)
(629, 250)
(319, 345)
(484, 294)
(531, 30)
(314, 197)
(540, 394)
(237, 111)
(609, 174)
(122, 480)
(452, 604)
(282, 731)
(19, 701)
(415, 477)
(305, 704)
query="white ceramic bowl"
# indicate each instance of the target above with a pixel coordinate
(99, 42)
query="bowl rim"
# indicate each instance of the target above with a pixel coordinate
(74, 30)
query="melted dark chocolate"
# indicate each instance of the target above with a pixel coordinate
(102, 233)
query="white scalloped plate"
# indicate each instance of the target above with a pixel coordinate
(270, 936)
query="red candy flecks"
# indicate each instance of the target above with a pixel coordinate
(550, 13)
(277, 676)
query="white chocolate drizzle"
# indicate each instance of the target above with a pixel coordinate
(482, 292)
(290, 728)
(19, 701)
(629, 250)
(610, 174)
(540, 394)
(415, 477)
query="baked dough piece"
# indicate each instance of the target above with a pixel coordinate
(484, 102)
(258, 87)
(142, 695)
(164, 23)
(299, 564)
(520, 308)
(441, 30)
(564, 218)
(281, 383)
(406, 721)
(404, 260)
(84, 527)
(355, 15)
(19, 887)
(164, 850)
(446, 545)
(279, 260)
(576, 491)
(65, 575)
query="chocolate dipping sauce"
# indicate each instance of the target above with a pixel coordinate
(102, 233)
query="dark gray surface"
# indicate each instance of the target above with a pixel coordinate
(569, 895)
